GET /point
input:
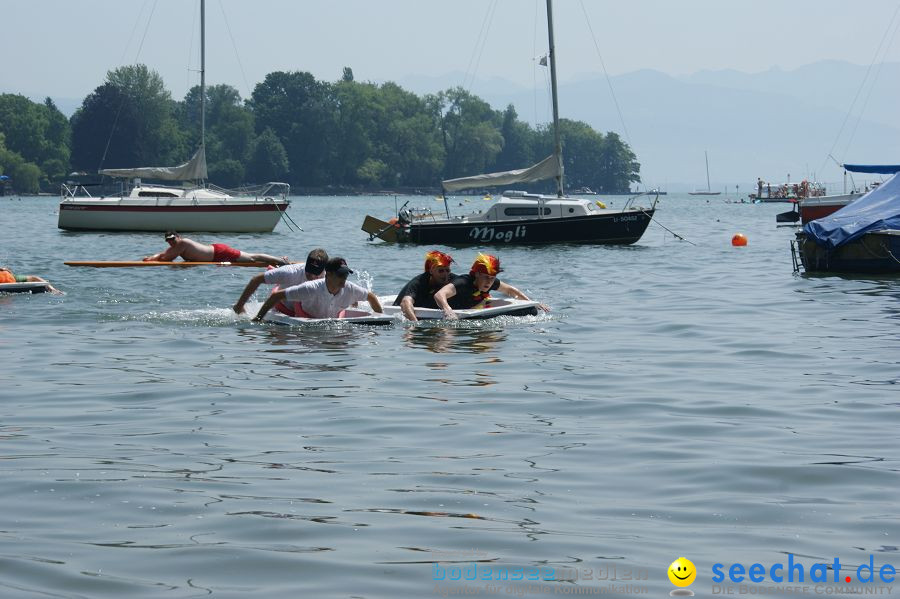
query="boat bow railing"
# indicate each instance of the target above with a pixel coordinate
(276, 189)
(265, 191)
(76, 190)
(630, 202)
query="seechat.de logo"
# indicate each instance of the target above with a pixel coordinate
(794, 571)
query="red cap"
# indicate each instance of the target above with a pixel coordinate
(435, 258)
(489, 265)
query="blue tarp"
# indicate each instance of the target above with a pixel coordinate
(881, 169)
(877, 210)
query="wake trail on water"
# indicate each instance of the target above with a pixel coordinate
(199, 317)
(226, 317)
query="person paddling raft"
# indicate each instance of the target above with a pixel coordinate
(468, 291)
(286, 276)
(7, 276)
(193, 251)
(419, 291)
(323, 298)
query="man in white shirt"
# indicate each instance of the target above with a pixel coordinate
(324, 298)
(284, 277)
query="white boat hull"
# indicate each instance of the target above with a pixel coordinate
(166, 214)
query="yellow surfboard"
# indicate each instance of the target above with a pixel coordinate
(134, 263)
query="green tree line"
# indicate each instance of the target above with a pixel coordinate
(34, 143)
(311, 134)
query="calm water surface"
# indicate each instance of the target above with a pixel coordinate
(680, 399)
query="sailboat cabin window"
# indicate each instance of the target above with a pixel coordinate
(157, 194)
(524, 211)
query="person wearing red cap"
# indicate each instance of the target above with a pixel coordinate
(419, 291)
(467, 291)
(323, 298)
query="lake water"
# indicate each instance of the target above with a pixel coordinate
(683, 398)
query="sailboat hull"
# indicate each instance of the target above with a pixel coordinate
(127, 214)
(617, 228)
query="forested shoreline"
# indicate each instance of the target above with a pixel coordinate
(343, 136)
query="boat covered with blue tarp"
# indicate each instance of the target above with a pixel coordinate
(877, 169)
(878, 210)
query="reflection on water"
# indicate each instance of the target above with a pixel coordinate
(443, 339)
(854, 297)
(326, 337)
(851, 284)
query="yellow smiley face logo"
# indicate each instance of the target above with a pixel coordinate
(682, 572)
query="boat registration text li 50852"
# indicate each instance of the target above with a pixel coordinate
(490, 234)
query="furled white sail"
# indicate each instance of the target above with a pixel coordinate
(192, 170)
(545, 169)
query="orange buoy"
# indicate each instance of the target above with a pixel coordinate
(739, 240)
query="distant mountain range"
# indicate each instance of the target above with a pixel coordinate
(770, 124)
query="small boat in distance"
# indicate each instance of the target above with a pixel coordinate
(190, 207)
(789, 192)
(519, 217)
(817, 205)
(708, 191)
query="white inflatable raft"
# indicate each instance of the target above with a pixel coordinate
(490, 309)
(351, 315)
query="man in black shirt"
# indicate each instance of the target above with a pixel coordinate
(467, 291)
(419, 291)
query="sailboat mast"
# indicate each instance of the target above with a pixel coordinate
(557, 145)
(202, 72)
(706, 156)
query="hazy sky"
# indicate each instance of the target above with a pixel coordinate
(64, 48)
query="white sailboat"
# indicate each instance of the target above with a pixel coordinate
(708, 191)
(519, 217)
(192, 207)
